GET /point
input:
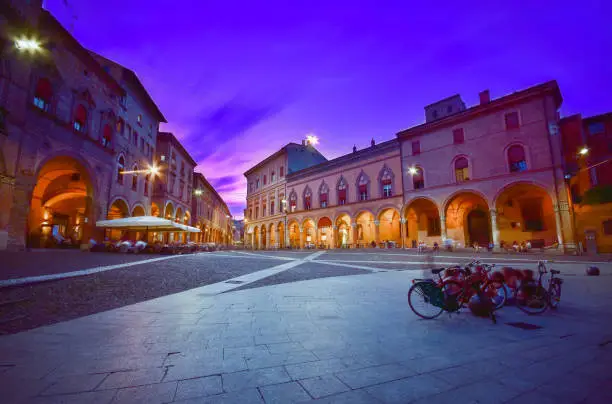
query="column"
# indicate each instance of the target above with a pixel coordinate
(301, 238)
(494, 229)
(443, 227)
(315, 237)
(253, 240)
(259, 239)
(286, 235)
(567, 228)
(333, 236)
(377, 232)
(354, 235)
(403, 231)
(277, 238)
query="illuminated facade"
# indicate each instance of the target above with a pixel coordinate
(210, 213)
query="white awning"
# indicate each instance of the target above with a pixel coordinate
(152, 223)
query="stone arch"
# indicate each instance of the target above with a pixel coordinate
(169, 211)
(138, 209)
(422, 221)
(463, 191)
(122, 208)
(360, 211)
(467, 219)
(407, 204)
(61, 201)
(524, 211)
(389, 225)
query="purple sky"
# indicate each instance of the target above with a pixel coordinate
(239, 79)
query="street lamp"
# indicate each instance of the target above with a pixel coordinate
(413, 170)
(198, 192)
(31, 45)
(153, 170)
(584, 151)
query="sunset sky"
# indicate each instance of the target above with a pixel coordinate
(239, 79)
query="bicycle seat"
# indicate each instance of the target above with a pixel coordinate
(552, 271)
(437, 270)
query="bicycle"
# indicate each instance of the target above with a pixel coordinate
(434, 296)
(480, 279)
(533, 298)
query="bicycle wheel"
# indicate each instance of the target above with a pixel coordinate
(554, 295)
(497, 292)
(454, 295)
(421, 302)
(532, 299)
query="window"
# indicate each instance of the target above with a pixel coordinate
(43, 94)
(182, 168)
(272, 207)
(293, 202)
(135, 138)
(307, 199)
(596, 128)
(257, 184)
(418, 181)
(265, 179)
(120, 126)
(120, 168)
(256, 212)
(146, 184)
(363, 188)
(416, 147)
(512, 120)
(263, 209)
(458, 136)
(516, 158)
(434, 114)
(323, 200)
(251, 213)
(386, 181)
(607, 227)
(342, 192)
(106, 136)
(461, 169)
(449, 109)
(150, 130)
(142, 148)
(281, 173)
(135, 179)
(139, 119)
(272, 177)
(182, 189)
(80, 118)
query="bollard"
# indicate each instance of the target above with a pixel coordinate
(592, 271)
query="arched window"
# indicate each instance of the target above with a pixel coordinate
(271, 206)
(265, 178)
(418, 181)
(107, 136)
(341, 191)
(386, 183)
(120, 168)
(293, 202)
(516, 158)
(363, 187)
(272, 177)
(80, 118)
(135, 178)
(43, 94)
(257, 184)
(323, 194)
(461, 169)
(307, 199)
(263, 208)
(146, 184)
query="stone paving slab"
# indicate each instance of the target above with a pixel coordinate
(353, 340)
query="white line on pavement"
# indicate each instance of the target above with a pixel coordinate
(229, 284)
(335, 263)
(278, 257)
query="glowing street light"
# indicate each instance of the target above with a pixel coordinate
(584, 151)
(31, 45)
(198, 192)
(312, 140)
(413, 171)
(153, 170)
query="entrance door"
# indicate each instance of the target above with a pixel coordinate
(591, 242)
(478, 228)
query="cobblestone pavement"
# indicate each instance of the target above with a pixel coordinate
(34, 305)
(348, 339)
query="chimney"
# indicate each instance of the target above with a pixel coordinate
(373, 143)
(485, 97)
(303, 142)
(354, 149)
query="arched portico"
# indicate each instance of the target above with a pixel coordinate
(325, 233)
(422, 222)
(467, 219)
(343, 231)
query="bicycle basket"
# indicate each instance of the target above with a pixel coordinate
(433, 293)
